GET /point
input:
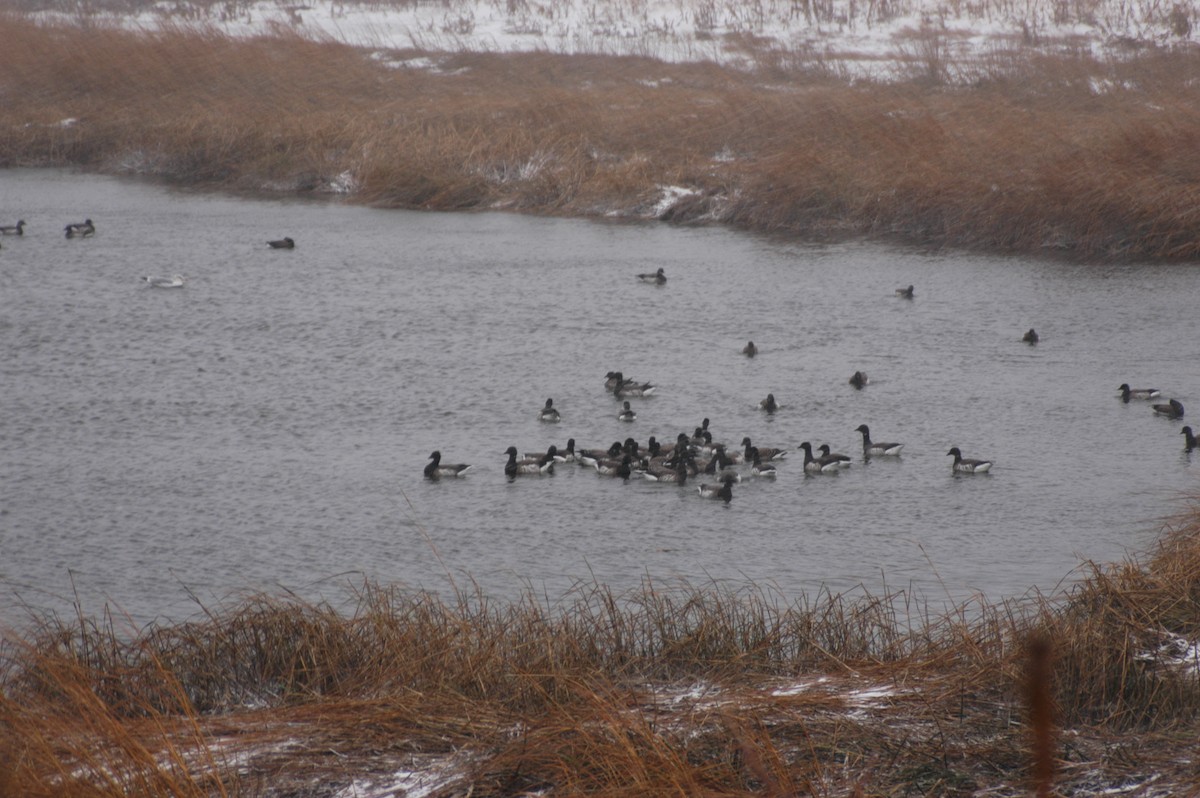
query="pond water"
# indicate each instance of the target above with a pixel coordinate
(265, 427)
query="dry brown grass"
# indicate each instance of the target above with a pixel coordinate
(1070, 155)
(666, 690)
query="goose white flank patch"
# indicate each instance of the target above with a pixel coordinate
(871, 448)
(548, 413)
(1172, 409)
(436, 470)
(967, 466)
(627, 413)
(1030, 337)
(750, 350)
(1128, 393)
(905, 293)
(657, 278)
(17, 229)
(818, 465)
(80, 229)
(282, 243)
(174, 281)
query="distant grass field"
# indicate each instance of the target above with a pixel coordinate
(1067, 156)
(671, 690)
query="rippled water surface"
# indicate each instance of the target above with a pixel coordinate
(265, 427)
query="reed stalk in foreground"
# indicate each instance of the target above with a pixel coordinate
(667, 690)
(1062, 155)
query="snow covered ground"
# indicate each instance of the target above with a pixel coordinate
(854, 37)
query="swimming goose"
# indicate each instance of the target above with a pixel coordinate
(1173, 409)
(678, 474)
(626, 387)
(658, 277)
(818, 465)
(965, 466)
(568, 454)
(1189, 442)
(80, 229)
(282, 243)
(551, 453)
(769, 404)
(174, 281)
(17, 229)
(548, 413)
(621, 469)
(765, 452)
(1128, 393)
(750, 350)
(757, 467)
(435, 469)
(627, 413)
(515, 467)
(905, 293)
(859, 379)
(590, 457)
(869, 448)
(841, 459)
(1030, 337)
(724, 491)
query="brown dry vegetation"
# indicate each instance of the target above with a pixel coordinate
(1034, 155)
(675, 690)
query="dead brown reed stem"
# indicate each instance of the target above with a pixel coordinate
(1066, 156)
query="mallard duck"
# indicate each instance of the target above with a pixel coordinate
(965, 466)
(282, 243)
(80, 229)
(174, 281)
(905, 293)
(870, 448)
(657, 278)
(435, 469)
(1172, 409)
(17, 229)
(548, 413)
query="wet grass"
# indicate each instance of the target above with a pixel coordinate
(667, 690)
(1025, 154)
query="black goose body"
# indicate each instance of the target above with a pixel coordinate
(750, 350)
(17, 229)
(657, 278)
(1172, 409)
(767, 453)
(905, 293)
(528, 466)
(282, 243)
(1189, 441)
(80, 229)
(723, 491)
(818, 465)
(769, 404)
(436, 470)
(871, 448)
(859, 379)
(1031, 337)
(548, 413)
(964, 465)
(1128, 393)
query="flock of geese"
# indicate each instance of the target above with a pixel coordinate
(87, 229)
(696, 457)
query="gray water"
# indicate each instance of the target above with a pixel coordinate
(264, 428)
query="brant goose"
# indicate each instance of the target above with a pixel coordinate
(678, 474)
(765, 452)
(17, 229)
(818, 465)
(1189, 442)
(769, 404)
(611, 468)
(435, 469)
(515, 467)
(80, 229)
(1030, 337)
(870, 448)
(626, 387)
(757, 467)
(548, 413)
(658, 277)
(1128, 393)
(968, 466)
(859, 380)
(750, 350)
(1173, 409)
(841, 459)
(905, 293)
(174, 281)
(627, 414)
(724, 491)
(282, 243)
